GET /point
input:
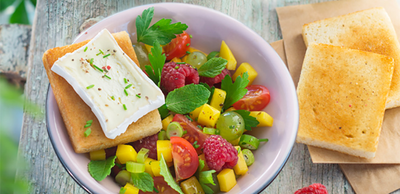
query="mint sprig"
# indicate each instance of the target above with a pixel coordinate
(162, 31)
(164, 171)
(249, 121)
(212, 67)
(187, 98)
(143, 181)
(100, 169)
(234, 91)
(157, 60)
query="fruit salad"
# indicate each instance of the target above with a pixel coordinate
(210, 104)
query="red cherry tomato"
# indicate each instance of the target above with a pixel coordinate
(193, 132)
(161, 186)
(178, 46)
(185, 158)
(256, 99)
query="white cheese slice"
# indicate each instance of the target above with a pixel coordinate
(115, 102)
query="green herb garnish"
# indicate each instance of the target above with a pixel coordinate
(91, 61)
(212, 67)
(177, 67)
(190, 119)
(164, 171)
(102, 168)
(137, 95)
(126, 93)
(87, 132)
(162, 31)
(106, 55)
(89, 122)
(87, 125)
(85, 49)
(187, 52)
(234, 91)
(157, 60)
(91, 86)
(101, 52)
(125, 80)
(195, 145)
(212, 55)
(143, 181)
(107, 76)
(112, 97)
(163, 110)
(187, 98)
(98, 68)
(188, 44)
(124, 107)
(122, 190)
(128, 86)
(190, 36)
(249, 121)
(180, 62)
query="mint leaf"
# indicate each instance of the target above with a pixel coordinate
(212, 55)
(100, 169)
(162, 31)
(143, 181)
(205, 178)
(212, 67)
(163, 110)
(209, 89)
(164, 171)
(157, 60)
(249, 121)
(234, 91)
(187, 98)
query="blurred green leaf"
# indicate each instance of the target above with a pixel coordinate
(20, 15)
(33, 2)
(5, 3)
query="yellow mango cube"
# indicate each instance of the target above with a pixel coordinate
(164, 148)
(246, 67)
(241, 167)
(218, 99)
(98, 155)
(165, 122)
(194, 114)
(130, 189)
(226, 179)
(147, 166)
(176, 60)
(236, 141)
(208, 116)
(264, 119)
(155, 167)
(126, 153)
(191, 49)
(226, 53)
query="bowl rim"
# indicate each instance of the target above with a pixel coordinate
(296, 117)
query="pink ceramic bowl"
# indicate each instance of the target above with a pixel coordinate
(208, 28)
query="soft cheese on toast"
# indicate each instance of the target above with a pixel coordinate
(369, 30)
(342, 94)
(75, 112)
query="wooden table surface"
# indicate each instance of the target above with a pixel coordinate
(57, 23)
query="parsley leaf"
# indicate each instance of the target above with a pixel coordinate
(187, 98)
(205, 178)
(162, 31)
(234, 91)
(249, 121)
(157, 60)
(100, 169)
(143, 181)
(212, 67)
(164, 171)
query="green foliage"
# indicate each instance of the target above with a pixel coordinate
(20, 14)
(187, 98)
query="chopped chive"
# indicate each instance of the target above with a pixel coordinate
(106, 55)
(85, 49)
(263, 140)
(91, 86)
(107, 76)
(176, 67)
(87, 132)
(137, 95)
(101, 52)
(112, 97)
(188, 52)
(190, 119)
(190, 36)
(126, 93)
(124, 107)
(128, 86)
(126, 81)
(88, 125)
(98, 68)
(180, 62)
(187, 44)
(89, 121)
(91, 61)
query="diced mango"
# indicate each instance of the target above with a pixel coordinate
(98, 155)
(226, 179)
(176, 60)
(164, 148)
(194, 114)
(130, 189)
(191, 49)
(148, 48)
(155, 167)
(236, 141)
(147, 165)
(165, 122)
(218, 99)
(208, 116)
(230, 109)
(203, 157)
(264, 119)
(241, 167)
(226, 53)
(126, 153)
(191, 186)
(246, 67)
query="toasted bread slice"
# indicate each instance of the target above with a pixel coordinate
(342, 94)
(76, 113)
(369, 30)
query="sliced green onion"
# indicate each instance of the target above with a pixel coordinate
(88, 125)
(162, 135)
(250, 142)
(142, 155)
(106, 55)
(107, 76)
(125, 80)
(87, 132)
(209, 130)
(85, 49)
(91, 86)
(123, 177)
(98, 68)
(174, 129)
(126, 93)
(128, 86)
(124, 107)
(248, 157)
(137, 95)
(135, 167)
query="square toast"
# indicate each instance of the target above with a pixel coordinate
(75, 112)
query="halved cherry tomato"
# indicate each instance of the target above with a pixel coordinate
(185, 158)
(256, 98)
(161, 186)
(193, 132)
(178, 46)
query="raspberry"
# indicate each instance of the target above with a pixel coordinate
(315, 188)
(149, 143)
(219, 153)
(178, 75)
(217, 79)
